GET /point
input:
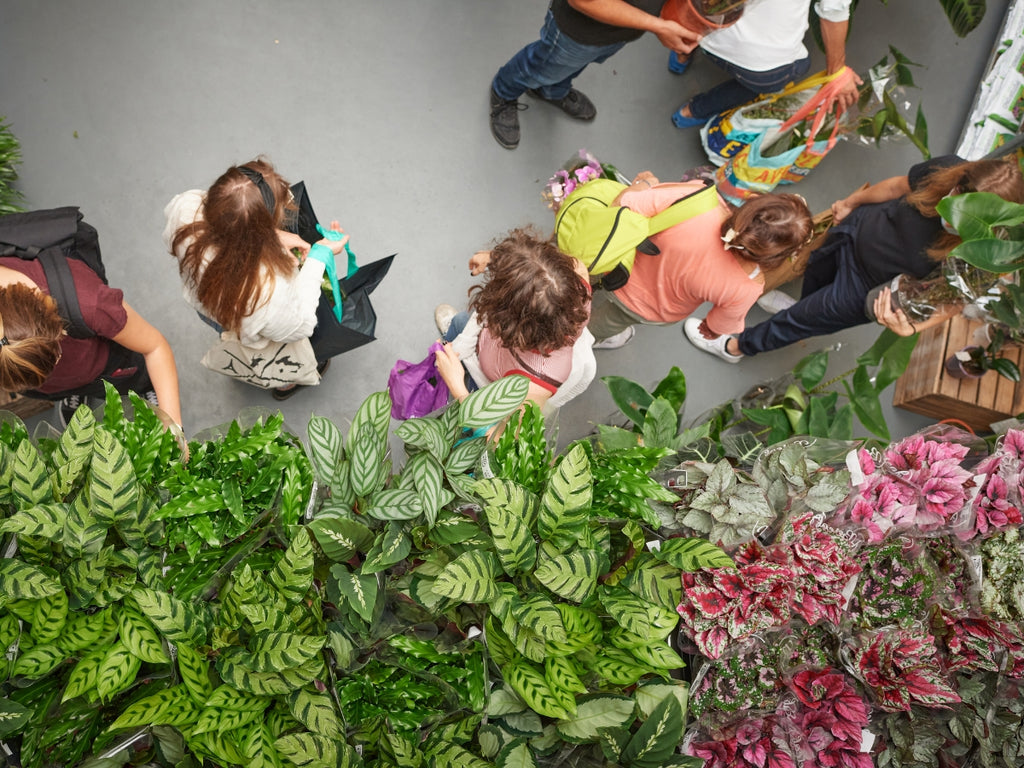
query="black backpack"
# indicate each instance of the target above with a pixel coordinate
(51, 237)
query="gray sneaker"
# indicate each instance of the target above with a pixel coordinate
(505, 120)
(575, 104)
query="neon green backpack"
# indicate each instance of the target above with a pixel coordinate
(606, 237)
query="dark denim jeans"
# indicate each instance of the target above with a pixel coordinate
(832, 298)
(549, 64)
(745, 86)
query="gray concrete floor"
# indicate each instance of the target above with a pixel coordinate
(382, 108)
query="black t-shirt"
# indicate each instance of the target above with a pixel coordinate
(583, 29)
(893, 238)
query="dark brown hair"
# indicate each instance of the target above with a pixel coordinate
(770, 228)
(33, 328)
(241, 234)
(532, 299)
(1001, 177)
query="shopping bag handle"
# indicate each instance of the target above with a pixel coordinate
(815, 105)
(332, 271)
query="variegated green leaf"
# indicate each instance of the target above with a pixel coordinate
(30, 483)
(81, 631)
(454, 528)
(83, 675)
(38, 660)
(279, 651)
(638, 616)
(340, 538)
(194, 670)
(469, 578)
(9, 630)
(366, 454)
(395, 504)
(650, 695)
(540, 616)
(504, 493)
(83, 578)
(51, 614)
(358, 591)
(428, 475)
(595, 712)
(13, 717)
(117, 671)
(513, 540)
(43, 521)
(692, 554)
(325, 448)
(316, 711)
(171, 706)
(266, 617)
(222, 721)
(308, 750)
(465, 456)
(293, 573)
(235, 667)
(392, 545)
(84, 535)
(656, 740)
(516, 754)
(655, 582)
(173, 617)
(567, 497)
(373, 416)
(489, 405)
(657, 655)
(618, 667)
(258, 747)
(113, 486)
(445, 754)
(572, 576)
(427, 434)
(21, 581)
(220, 747)
(139, 636)
(560, 673)
(524, 678)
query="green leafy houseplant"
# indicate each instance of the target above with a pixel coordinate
(10, 158)
(976, 360)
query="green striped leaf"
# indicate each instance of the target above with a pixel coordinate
(372, 417)
(650, 695)
(513, 540)
(392, 545)
(594, 712)
(316, 711)
(258, 747)
(427, 434)
(295, 493)
(465, 456)
(44, 521)
(358, 591)
(618, 667)
(21, 581)
(453, 528)
(113, 486)
(83, 579)
(638, 616)
(117, 671)
(220, 747)
(325, 449)
(580, 622)
(9, 630)
(173, 617)
(469, 578)
(504, 493)
(194, 670)
(293, 574)
(516, 754)
(655, 582)
(656, 740)
(489, 405)
(572, 576)
(222, 721)
(267, 617)
(139, 636)
(39, 660)
(567, 497)
(83, 675)
(366, 454)
(84, 535)
(692, 554)
(308, 749)
(531, 686)
(395, 504)
(171, 706)
(340, 538)
(428, 476)
(279, 651)
(13, 717)
(560, 673)
(657, 655)
(30, 483)
(50, 616)
(539, 615)
(235, 669)
(445, 754)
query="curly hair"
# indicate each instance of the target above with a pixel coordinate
(33, 329)
(1001, 177)
(240, 232)
(532, 299)
(770, 228)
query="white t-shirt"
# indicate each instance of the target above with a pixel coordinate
(286, 310)
(770, 33)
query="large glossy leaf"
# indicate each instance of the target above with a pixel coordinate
(469, 578)
(292, 575)
(21, 581)
(692, 554)
(672, 388)
(139, 636)
(340, 538)
(567, 497)
(864, 398)
(572, 576)
(811, 370)
(325, 449)
(113, 486)
(29, 482)
(603, 710)
(632, 399)
(489, 405)
(513, 540)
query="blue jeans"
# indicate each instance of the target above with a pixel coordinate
(548, 65)
(745, 86)
(832, 298)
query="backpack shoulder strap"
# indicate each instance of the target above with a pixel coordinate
(695, 203)
(62, 288)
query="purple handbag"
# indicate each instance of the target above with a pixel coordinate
(417, 389)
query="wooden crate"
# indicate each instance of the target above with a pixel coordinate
(925, 388)
(23, 406)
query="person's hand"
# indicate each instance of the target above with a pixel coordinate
(841, 209)
(478, 262)
(676, 37)
(647, 178)
(450, 368)
(846, 97)
(290, 241)
(895, 320)
(335, 238)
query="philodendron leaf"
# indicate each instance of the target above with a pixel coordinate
(602, 710)
(672, 388)
(572, 576)
(630, 397)
(359, 591)
(308, 750)
(469, 578)
(657, 738)
(21, 581)
(692, 554)
(489, 405)
(325, 449)
(566, 501)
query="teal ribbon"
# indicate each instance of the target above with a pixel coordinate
(325, 255)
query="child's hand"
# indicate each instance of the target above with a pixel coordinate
(478, 262)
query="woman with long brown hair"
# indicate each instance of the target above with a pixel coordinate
(881, 231)
(238, 258)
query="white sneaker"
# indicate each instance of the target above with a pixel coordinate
(620, 339)
(443, 315)
(714, 346)
(775, 301)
